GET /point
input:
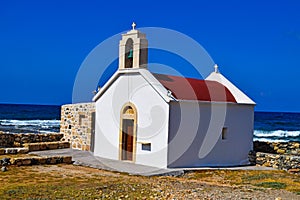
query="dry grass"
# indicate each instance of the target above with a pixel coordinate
(75, 182)
(265, 179)
(70, 182)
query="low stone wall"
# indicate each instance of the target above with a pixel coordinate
(288, 148)
(78, 125)
(283, 156)
(284, 162)
(8, 140)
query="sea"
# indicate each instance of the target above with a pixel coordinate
(15, 118)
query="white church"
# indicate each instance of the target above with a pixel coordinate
(170, 121)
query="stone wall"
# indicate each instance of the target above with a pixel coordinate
(19, 139)
(288, 148)
(284, 162)
(77, 125)
(284, 156)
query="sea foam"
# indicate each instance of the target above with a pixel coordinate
(276, 133)
(29, 125)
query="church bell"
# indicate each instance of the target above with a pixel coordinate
(130, 55)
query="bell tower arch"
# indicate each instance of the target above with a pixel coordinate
(133, 50)
(128, 53)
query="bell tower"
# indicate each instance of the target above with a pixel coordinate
(133, 50)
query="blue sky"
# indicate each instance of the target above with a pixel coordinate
(255, 43)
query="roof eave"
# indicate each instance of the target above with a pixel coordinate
(212, 102)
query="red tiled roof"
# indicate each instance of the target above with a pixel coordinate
(195, 89)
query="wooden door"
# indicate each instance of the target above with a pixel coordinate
(127, 139)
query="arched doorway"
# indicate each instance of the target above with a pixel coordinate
(128, 132)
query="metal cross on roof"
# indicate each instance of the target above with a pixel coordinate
(216, 68)
(133, 26)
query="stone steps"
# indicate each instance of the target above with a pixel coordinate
(41, 160)
(40, 146)
(17, 150)
(28, 147)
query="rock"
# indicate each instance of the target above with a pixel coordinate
(5, 161)
(2, 151)
(3, 169)
(41, 160)
(294, 152)
(267, 164)
(296, 145)
(251, 156)
(23, 150)
(11, 151)
(53, 160)
(280, 151)
(26, 161)
(17, 144)
(294, 170)
(275, 166)
(67, 159)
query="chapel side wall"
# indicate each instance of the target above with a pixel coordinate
(205, 146)
(76, 125)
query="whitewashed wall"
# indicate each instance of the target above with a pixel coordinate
(152, 120)
(205, 147)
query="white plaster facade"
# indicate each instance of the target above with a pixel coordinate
(169, 132)
(108, 109)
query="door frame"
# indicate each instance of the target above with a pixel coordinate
(93, 129)
(132, 116)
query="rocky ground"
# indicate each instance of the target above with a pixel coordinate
(75, 182)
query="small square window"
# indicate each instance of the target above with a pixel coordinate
(146, 146)
(81, 118)
(224, 133)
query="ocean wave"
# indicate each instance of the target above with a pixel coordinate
(41, 123)
(276, 134)
(269, 140)
(34, 126)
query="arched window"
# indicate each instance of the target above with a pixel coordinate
(129, 53)
(128, 132)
